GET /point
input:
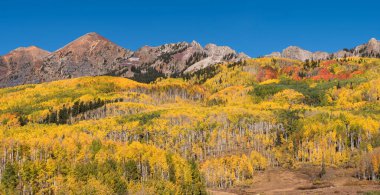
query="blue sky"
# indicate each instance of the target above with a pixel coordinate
(253, 27)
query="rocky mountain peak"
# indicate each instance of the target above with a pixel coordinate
(294, 49)
(219, 50)
(89, 55)
(298, 53)
(24, 55)
(86, 42)
(374, 45)
(195, 44)
(17, 66)
(373, 41)
(370, 49)
(31, 50)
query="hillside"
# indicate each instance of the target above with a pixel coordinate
(217, 127)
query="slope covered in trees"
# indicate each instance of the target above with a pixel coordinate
(213, 128)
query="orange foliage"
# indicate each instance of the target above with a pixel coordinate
(323, 74)
(266, 73)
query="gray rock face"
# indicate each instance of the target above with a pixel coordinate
(171, 59)
(92, 55)
(215, 54)
(370, 49)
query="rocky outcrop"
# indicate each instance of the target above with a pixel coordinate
(370, 49)
(215, 54)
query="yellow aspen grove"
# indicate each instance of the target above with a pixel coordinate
(221, 127)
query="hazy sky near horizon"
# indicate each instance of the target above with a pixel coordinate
(250, 26)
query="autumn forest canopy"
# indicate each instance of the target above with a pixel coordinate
(214, 128)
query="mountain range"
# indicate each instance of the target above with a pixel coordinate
(370, 49)
(94, 55)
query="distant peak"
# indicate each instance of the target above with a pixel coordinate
(29, 49)
(293, 47)
(85, 40)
